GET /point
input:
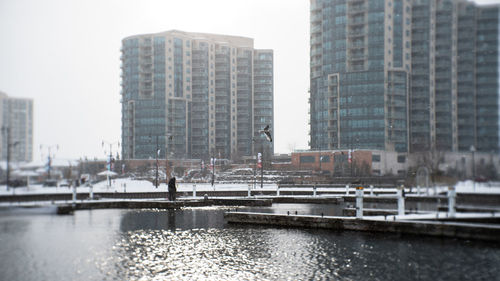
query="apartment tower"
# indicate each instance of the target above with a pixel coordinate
(404, 75)
(195, 95)
(16, 119)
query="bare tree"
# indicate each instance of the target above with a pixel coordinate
(431, 160)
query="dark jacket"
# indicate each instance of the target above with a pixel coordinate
(171, 184)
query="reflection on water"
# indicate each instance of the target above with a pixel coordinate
(195, 244)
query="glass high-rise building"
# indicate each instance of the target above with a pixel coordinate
(200, 95)
(360, 67)
(454, 90)
(16, 120)
(404, 75)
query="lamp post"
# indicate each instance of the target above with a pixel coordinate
(472, 150)
(157, 154)
(110, 158)
(213, 160)
(6, 131)
(169, 137)
(259, 165)
(319, 156)
(50, 156)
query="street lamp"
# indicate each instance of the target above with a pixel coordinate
(169, 138)
(213, 161)
(50, 156)
(157, 154)
(110, 158)
(6, 130)
(472, 150)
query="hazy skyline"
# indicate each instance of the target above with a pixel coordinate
(66, 56)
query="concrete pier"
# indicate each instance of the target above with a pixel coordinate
(428, 228)
(351, 212)
(148, 204)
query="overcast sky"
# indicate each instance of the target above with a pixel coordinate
(66, 56)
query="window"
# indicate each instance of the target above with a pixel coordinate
(376, 158)
(325, 158)
(401, 159)
(307, 159)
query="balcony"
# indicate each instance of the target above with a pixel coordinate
(353, 21)
(357, 33)
(356, 9)
(316, 40)
(317, 17)
(224, 60)
(356, 45)
(316, 29)
(357, 57)
(316, 52)
(316, 7)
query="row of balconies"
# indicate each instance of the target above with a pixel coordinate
(356, 21)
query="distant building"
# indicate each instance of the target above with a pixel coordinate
(352, 163)
(16, 119)
(210, 93)
(404, 76)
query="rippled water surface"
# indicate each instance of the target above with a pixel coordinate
(195, 244)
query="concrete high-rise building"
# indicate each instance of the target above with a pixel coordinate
(200, 95)
(16, 119)
(404, 75)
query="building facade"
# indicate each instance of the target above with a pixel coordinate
(359, 75)
(404, 75)
(195, 95)
(454, 89)
(16, 119)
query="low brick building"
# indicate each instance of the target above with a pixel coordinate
(356, 162)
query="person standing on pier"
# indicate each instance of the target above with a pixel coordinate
(171, 189)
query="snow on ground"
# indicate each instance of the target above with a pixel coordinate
(129, 185)
(435, 215)
(470, 187)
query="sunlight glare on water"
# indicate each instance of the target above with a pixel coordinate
(195, 254)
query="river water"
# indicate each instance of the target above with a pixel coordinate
(196, 244)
